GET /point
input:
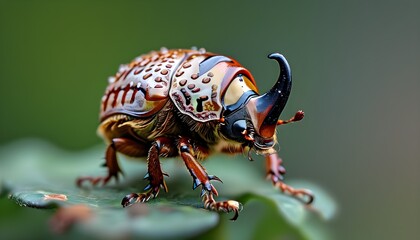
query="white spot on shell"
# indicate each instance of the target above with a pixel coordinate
(123, 67)
(131, 84)
(194, 48)
(138, 85)
(163, 50)
(202, 50)
(138, 59)
(111, 79)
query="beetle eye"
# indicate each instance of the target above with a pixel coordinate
(237, 88)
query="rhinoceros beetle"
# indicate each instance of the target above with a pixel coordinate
(191, 103)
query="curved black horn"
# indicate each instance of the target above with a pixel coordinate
(270, 105)
(283, 86)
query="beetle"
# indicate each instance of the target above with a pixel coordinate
(192, 103)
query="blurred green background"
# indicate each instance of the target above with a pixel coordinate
(355, 68)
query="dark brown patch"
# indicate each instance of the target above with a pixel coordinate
(147, 76)
(183, 82)
(138, 71)
(204, 98)
(178, 74)
(194, 76)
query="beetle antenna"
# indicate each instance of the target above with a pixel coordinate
(297, 117)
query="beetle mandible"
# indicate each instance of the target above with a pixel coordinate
(192, 103)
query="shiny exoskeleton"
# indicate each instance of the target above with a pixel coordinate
(192, 103)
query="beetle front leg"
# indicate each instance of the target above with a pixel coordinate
(154, 175)
(275, 172)
(122, 145)
(200, 177)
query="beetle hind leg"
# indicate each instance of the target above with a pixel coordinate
(122, 145)
(275, 172)
(155, 176)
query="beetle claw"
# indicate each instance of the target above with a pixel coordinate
(147, 187)
(305, 193)
(310, 196)
(224, 206)
(206, 186)
(129, 199)
(297, 193)
(133, 198)
(236, 215)
(213, 177)
(196, 183)
(203, 192)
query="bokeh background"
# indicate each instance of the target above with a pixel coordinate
(355, 68)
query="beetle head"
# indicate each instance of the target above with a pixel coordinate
(252, 120)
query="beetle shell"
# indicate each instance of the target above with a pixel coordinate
(194, 80)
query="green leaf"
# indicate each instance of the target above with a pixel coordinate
(37, 175)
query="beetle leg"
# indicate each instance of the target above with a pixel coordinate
(200, 177)
(122, 145)
(154, 175)
(275, 172)
(198, 172)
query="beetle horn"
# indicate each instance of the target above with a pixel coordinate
(266, 109)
